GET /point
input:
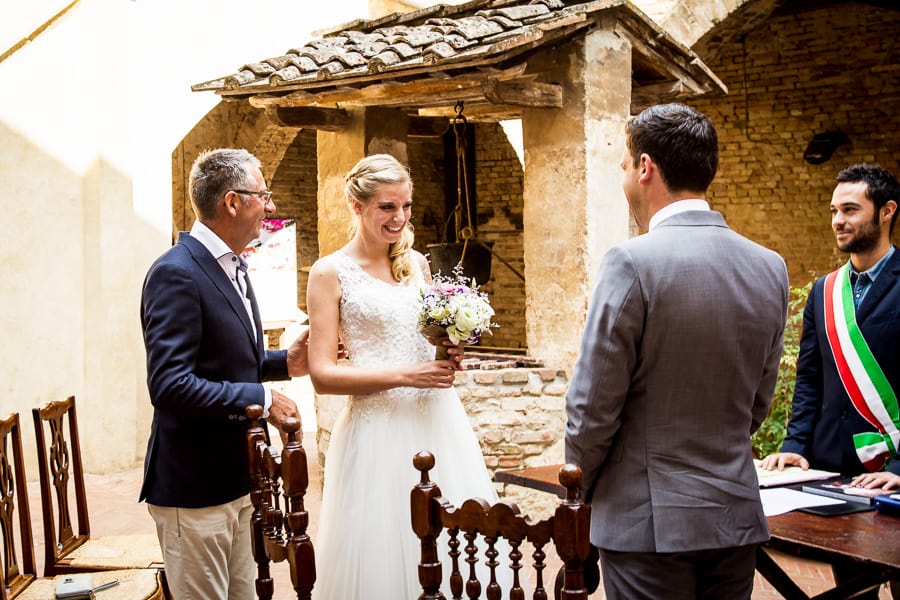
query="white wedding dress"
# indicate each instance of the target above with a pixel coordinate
(365, 547)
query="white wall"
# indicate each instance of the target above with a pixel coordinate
(90, 112)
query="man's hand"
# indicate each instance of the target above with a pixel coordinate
(884, 479)
(283, 408)
(298, 355)
(780, 460)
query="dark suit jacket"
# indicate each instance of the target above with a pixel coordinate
(204, 367)
(823, 420)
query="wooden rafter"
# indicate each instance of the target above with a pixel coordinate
(326, 119)
(487, 86)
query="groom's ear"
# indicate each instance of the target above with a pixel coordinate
(646, 166)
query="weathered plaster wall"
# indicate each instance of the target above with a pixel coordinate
(86, 161)
(43, 310)
(574, 207)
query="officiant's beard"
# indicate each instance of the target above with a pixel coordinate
(866, 238)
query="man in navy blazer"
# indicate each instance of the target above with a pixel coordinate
(824, 419)
(205, 365)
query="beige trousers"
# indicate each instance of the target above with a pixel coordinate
(207, 550)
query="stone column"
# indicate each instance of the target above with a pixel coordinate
(337, 152)
(574, 205)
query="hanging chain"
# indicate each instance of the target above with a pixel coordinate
(461, 212)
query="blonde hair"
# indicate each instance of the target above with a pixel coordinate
(362, 183)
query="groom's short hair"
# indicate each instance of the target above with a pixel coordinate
(682, 142)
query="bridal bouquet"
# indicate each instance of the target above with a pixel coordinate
(451, 307)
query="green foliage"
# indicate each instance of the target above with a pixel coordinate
(771, 433)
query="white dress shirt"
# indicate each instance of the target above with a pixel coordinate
(229, 263)
(673, 209)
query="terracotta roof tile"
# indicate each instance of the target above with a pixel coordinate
(516, 13)
(285, 75)
(475, 28)
(431, 35)
(441, 37)
(388, 58)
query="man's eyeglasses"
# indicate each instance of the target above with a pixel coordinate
(265, 195)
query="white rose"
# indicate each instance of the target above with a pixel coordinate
(456, 336)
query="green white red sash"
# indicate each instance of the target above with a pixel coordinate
(865, 382)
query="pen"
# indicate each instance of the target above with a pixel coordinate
(108, 584)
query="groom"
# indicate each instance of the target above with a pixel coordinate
(205, 365)
(677, 368)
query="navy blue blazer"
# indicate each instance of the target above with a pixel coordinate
(204, 367)
(823, 420)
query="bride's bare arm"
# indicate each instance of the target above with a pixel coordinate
(328, 376)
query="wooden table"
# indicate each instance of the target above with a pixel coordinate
(869, 537)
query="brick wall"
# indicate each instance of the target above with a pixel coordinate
(499, 181)
(293, 186)
(426, 167)
(794, 76)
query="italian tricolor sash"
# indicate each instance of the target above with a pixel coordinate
(868, 388)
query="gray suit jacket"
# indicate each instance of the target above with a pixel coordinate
(677, 368)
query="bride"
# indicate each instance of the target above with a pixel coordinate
(401, 398)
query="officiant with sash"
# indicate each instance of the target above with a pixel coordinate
(845, 415)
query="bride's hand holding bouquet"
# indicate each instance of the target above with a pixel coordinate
(455, 309)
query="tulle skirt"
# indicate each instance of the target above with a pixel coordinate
(365, 546)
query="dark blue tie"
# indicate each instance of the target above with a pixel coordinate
(243, 281)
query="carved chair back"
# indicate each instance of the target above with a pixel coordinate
(15, 575)
(61, 473)
(567, 530)
(68, 545)
(278, 483)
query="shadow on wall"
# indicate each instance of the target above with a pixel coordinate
(74, 253)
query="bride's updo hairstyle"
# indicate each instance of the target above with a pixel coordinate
(363, 182)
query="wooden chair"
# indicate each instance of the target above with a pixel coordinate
(18, 576)
(568, 530)
(278, 483)
(60, 470)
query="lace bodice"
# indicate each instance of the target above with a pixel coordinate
(379, 323)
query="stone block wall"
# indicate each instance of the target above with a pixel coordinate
(519, 416)
(796, 75)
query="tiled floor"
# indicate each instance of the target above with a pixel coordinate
(114, 510)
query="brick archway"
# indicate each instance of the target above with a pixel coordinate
(706, 24)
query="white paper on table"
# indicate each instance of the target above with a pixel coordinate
(778, 501)
(788, 475)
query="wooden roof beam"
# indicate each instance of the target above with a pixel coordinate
(422, 93)
(672, 61)
(428, 126)
(326, 119)
(647, 95)
(523, 92)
